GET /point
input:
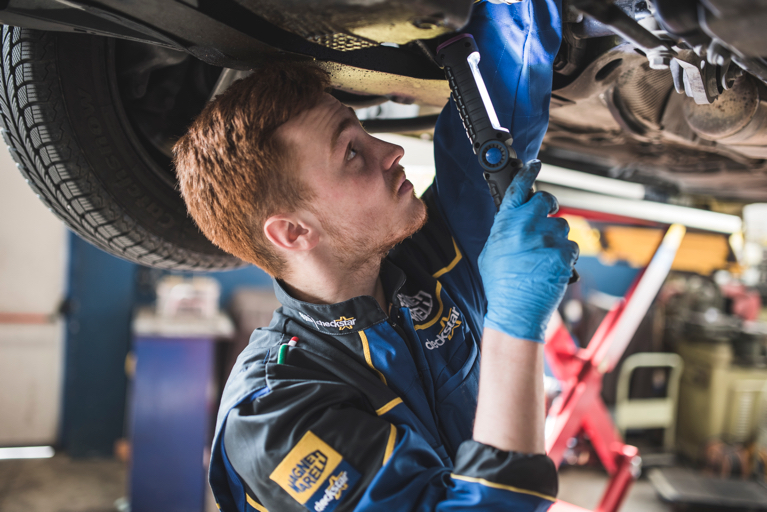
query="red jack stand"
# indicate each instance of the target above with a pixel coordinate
(580, 370)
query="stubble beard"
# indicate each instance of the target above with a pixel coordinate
(359, 250)
(413, 224)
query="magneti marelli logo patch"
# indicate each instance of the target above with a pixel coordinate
(315, 474)
(308, 471)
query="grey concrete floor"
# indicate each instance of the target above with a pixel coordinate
(584, 487)
(61, 484)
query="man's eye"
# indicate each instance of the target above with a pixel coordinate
(351, 154)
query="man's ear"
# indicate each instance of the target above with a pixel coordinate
(291, 233)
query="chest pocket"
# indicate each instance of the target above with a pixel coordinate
(452, 354)
(457, 399)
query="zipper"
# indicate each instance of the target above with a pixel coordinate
(399, 330)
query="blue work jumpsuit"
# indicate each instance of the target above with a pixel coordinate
(373, 410)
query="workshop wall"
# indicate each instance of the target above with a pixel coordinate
(99, 305)
(62, 376)
(104, 292)
(33, 254)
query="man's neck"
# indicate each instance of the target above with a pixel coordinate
(323, 284)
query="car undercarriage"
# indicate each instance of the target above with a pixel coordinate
(666, 93)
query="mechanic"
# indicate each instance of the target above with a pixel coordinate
(366, 391)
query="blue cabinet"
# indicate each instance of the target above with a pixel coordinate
(171, 411)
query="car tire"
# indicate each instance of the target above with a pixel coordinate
(66, 128)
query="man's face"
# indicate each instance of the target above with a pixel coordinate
(362, 198)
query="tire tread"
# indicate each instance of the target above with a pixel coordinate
(35, 126)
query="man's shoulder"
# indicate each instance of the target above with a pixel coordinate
(271, 362)
(248, 373)
(290, 402)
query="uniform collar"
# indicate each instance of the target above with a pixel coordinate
(349, 316)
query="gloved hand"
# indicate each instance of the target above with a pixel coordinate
(527, 260)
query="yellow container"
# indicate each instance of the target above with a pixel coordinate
(717, 399)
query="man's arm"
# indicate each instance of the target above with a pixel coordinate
(518, 44)
(375, 461)
(525, 266)
(510, 408)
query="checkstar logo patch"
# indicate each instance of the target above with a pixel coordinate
(315, 475)
(344, 323)
(420, 305)
(449, 324)
(339, 323)
(334, 492)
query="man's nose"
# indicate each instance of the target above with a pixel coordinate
(392, 153)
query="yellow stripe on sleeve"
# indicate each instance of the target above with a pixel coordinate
(452, 264)
(368, 359)
(388, 407)
(255, 505)
(494, 485)
(390, 444)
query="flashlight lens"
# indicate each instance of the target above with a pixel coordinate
(493, 156)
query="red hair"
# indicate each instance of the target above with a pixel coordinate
(234, 173)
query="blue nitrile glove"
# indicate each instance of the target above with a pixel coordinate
(527, 260)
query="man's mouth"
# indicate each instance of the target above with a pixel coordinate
(401, 182)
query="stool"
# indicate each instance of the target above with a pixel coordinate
(649, 412)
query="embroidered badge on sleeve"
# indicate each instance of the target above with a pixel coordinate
(315, 475)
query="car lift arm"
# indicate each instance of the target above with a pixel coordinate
(580, 373)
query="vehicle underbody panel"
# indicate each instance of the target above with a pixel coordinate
(625, 118)
(685, 115)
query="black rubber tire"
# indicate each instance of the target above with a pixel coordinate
(63, 121)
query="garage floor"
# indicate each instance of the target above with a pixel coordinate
(61, 484)
(584, 487)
